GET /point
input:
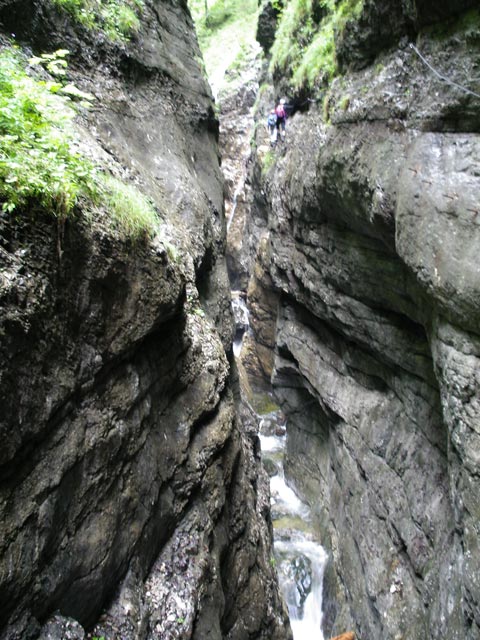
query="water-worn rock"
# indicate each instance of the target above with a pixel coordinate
(128, 482)
(370, 247)
(237, 98)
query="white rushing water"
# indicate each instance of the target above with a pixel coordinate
(285, 498)
(240, 314)
(234, 206)
(300, 558)
(305, 610)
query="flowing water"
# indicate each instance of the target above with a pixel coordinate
(240, 314)
(234, 203)
(299, 556)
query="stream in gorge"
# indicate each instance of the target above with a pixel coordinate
(300, 559)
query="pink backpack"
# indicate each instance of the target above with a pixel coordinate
(280, 111)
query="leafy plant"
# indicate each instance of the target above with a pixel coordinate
(119, 19)
(211, 15)
(40, 161)
(39, 155)
(56, 64)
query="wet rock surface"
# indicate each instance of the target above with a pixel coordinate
(369, 246)
(130, 499)
(236, 99)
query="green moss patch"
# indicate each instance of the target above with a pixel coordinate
(292, 523)
(130, 211)
(263, 404)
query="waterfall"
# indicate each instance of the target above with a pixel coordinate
(234, 202)
(240, 315)
(301, 579)
(300, 558)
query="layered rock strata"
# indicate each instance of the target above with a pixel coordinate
(129, 483)
(370, 249)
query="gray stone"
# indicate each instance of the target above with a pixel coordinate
(366, 233)
(131, 494)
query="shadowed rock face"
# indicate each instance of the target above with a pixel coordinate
(267, 24)
(371, 249)
(382, 24)
(128, 483)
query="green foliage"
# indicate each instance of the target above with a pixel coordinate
(210, 16)
(264, 88)
(119, 19)
(132, 213)
(40, 161)
(55, 63)
(39, 155)
(224, 32)
(294, 33)
(218, 13)
(318, 60)
(240, 59)
(305, 48)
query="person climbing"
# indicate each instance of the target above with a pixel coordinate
(272, 127)
(281, 118)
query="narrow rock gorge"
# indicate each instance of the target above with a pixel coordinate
(364, 306)
(133, 500)
(133, 503)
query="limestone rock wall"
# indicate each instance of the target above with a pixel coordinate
(236, 100)
(131, 498)
(371, 248)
